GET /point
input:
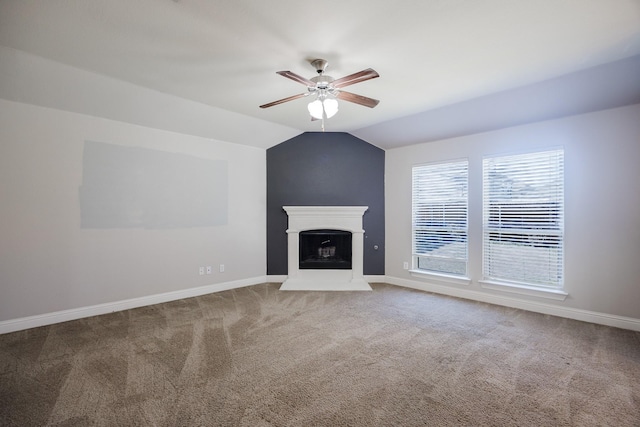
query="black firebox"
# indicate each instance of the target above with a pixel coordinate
(325, 249)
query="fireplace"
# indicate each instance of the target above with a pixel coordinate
(325, 248)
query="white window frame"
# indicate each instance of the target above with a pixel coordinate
(523, 222)
(445, 231)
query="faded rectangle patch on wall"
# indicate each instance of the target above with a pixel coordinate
(132, 187)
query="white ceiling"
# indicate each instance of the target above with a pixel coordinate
(224, 53)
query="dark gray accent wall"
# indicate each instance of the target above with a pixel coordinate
(325, 169)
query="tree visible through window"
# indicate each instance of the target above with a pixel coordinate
(523, 217)
(439, 222)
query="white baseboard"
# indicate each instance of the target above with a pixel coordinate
(535, 306)
(277, 278)
(20, 324)
(14, 325)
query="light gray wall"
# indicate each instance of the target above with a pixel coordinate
(602, 211)
(49, 263)
(132, 187)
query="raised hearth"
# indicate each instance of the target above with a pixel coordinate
(306, 218)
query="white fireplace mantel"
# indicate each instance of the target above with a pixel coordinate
(346, 218)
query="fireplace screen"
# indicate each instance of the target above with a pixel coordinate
(325, 249)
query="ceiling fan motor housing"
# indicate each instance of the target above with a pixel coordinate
(322, 81)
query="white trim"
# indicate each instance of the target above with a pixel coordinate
(368, 277)
(441, 277)
(23, 323)
(326, 280)
(534, 306)
(20, 324)
(555, 294)
(375, 278)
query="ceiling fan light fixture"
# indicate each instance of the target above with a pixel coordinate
(315, 109)
(330, 107)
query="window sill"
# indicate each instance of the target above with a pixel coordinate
(449, 278)
(554, 294)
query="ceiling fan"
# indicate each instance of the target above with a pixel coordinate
(327, 90)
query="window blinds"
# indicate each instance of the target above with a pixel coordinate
(439, 213)
(523, 218)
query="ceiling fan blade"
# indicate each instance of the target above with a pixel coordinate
(358, 77)
(280, 101)
(358, 99)
(296, 78)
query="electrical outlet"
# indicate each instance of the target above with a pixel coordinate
(209, 269)
(406, 265)
(221, 268)
(201, 271)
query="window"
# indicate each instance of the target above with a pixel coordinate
(439, 223)
(523, 218)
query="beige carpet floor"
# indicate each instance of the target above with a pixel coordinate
(260, 357)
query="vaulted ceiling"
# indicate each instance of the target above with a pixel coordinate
(447, 67)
